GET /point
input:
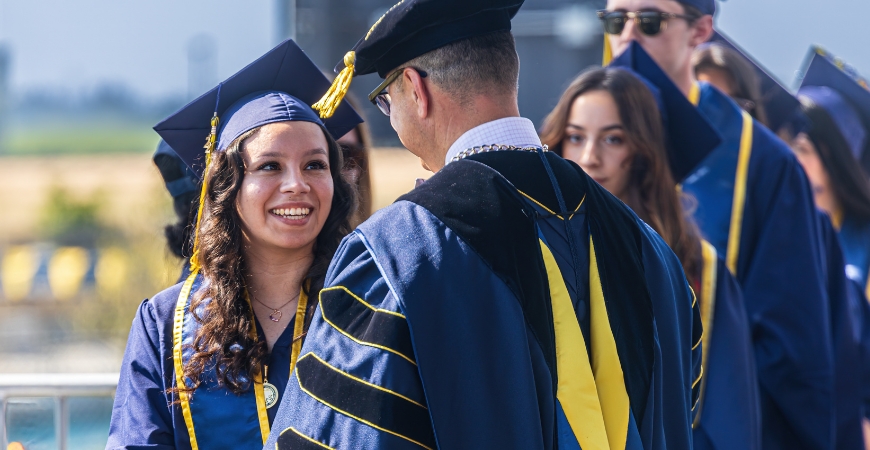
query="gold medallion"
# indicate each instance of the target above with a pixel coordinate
(271, 394)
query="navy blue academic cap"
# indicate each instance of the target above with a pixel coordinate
(414, 27)
(177, 177)
(707, 7)
(279, 86)
(690, 136)
(779, 104)
(844, 95)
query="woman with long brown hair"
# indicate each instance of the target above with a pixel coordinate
(608, 122)
(208, 359)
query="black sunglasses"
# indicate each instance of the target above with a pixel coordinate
(649, 23)
(380, 98)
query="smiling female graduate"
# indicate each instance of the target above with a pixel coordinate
(208, 359)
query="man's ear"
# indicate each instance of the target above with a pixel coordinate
(418, 90)
(702, 30)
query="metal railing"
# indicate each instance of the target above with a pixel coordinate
(27, 399)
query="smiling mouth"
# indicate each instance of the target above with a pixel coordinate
(291, 213)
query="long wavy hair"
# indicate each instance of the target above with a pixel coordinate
(224, 340)
(649, 173)
(848, 180)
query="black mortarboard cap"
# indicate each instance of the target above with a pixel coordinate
(412, 28)
(690, 136)
(779, 104)
(278, 86)
(844, 94)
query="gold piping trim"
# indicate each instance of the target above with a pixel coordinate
(362, 301)
(177, 328)
(298, 433)
(367, 344)
(354, 417)
(739, 201)
(380, 388)
(550, 210)
(700, 376)
(708, 303)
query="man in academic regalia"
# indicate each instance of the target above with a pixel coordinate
(754, 205)
(507, 302)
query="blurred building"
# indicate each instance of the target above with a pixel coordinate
(556, 39)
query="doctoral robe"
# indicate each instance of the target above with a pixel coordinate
(507, 302)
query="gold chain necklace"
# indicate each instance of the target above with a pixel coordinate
(276, 313)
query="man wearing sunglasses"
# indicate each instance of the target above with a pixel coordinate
(508, 302)
(754, 205)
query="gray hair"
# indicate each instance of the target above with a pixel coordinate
(480, 65)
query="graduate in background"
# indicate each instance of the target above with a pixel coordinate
(606, 122)
(725, 66)
(207, 359)
(755, 206)
(828, 139)
(836, 108)
(507, 302)
(727, 70)
(183, 185)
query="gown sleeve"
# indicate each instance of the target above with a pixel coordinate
(141, 418)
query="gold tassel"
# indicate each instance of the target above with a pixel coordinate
(210, 142)
(333, 97)
(608, 53)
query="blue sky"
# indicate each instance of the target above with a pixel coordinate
(74, 45)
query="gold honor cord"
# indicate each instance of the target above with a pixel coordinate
(177, 341)
(259, 380)
(708, 304)
(259, 393)
(739, 201)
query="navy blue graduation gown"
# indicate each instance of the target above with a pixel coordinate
(728, 415)
(779, 267)
(855, 240)
(444, 319)
(145, 415)
(847, 324)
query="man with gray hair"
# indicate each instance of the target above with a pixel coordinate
(507, 302)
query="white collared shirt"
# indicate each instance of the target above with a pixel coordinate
(517, 131)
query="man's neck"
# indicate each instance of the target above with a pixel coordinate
(461, 120)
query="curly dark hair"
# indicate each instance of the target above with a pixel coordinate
(224, 340)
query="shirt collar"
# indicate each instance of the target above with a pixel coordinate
(517, 131)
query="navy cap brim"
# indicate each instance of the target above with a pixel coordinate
(690, 136)
(285, 68)
(779, 103)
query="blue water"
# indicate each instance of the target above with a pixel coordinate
(31, 421)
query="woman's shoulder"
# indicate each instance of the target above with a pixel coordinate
(161, 306)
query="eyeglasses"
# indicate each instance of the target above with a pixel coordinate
(380, 98)
(649, 23)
